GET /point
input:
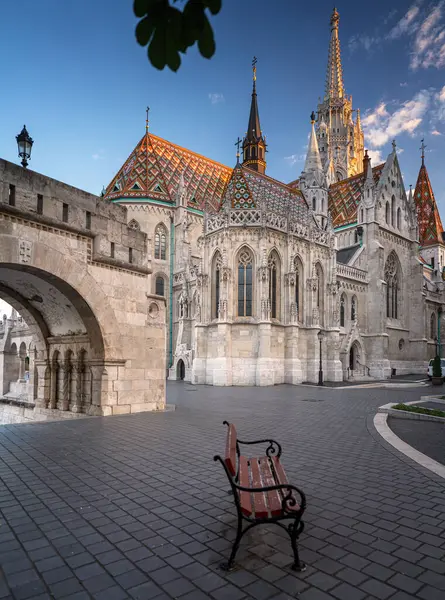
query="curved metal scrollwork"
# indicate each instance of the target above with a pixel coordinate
(273, 449)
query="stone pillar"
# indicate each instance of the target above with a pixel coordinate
(99, 382)
(53, 385)
(44, 373)
(75, 405)
(64, 397)
(292, 365)
(21, 368)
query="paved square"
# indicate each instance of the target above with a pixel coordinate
(135, 507)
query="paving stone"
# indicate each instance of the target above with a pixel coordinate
(377, 589)
(347, 592)
(407, 584)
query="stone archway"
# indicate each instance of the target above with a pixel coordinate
(354, 357)
(180, 370)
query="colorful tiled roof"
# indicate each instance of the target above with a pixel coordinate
(345, 195)
(153, 171)
(249, 189)
(430, 224)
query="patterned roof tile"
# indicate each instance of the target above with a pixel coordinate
(430, 224)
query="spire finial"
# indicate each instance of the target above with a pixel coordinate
(394, 145)
(254, 62)
(335, 18)
(312, 117)
(422, 148)
(146, 119)
(238, 144)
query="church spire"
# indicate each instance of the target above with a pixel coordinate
(334, 75)
(254, 144)
(313, 164)
(428, 217)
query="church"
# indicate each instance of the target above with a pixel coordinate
(337, 275)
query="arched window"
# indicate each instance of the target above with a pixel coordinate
(399, 218)
(160, 286)
(160, 242)
(393, 284)
(393, 211)
(354, 309)
(299, 288)
(387, 214)
(245, 283)
(273, 265)
(314, 203)
(342, 310)
(216, 270)
(260, 150)
(355, 237)
(433, 326)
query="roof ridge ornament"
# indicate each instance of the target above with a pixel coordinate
(422, 148)
(146, 119)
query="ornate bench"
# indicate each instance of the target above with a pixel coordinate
(262, 492)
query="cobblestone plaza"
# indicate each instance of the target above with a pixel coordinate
(134, 507)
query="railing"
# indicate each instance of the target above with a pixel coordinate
(351, 272)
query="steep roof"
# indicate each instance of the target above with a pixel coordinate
(430, 224)
(345, 195)
(248, 189)
(153, 171)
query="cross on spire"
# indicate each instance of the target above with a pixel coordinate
(254, 62)
(146, 119)
(238, 144)
(422, 148)
(394, 145)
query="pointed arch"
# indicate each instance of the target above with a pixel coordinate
(160, 249)
(299, 287)
(387, 214)
(393, 211)
(399, 218)
(343, 310)
(393, 278)
(244, 262)
(217, 263)
(274, 267)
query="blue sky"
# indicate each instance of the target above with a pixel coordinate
(74, 74)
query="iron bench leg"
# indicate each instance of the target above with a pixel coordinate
(295, 530)
(239, 534)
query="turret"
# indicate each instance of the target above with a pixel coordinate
(313, 179)
(254, 143)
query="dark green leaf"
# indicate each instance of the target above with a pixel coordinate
(140, 7)
(156, 49)
(214, 6)
(144, 31)
(206, 41)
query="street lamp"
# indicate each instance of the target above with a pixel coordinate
(320, 336)
(24, 143)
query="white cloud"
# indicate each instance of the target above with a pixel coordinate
(376, 157)
(403, 84)
(429, 42)
(293, 159)
(381, 126)
(407, 23)
(435, 132)
(216, 97)
(98, 155)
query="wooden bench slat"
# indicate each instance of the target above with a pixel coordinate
(244, 497)
(282, 479)
(231, 450)
(273, 497)
(259, 499)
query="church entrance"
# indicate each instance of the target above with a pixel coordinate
(354, 355)
(180, 370)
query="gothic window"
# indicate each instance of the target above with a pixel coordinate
(253, 152)
(355, 237)
(274, 274)
(260, 150)
(342, 310)
(314, 203)
(160, 286)
(393, 284)
(299, 287)
(433, 326)
(245, 284)
(160, 242)
(393, 211)
(354, 309)
(399, 218)
(217, 264)
(387, 212)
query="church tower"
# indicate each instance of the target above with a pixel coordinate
(254, 143)
(340, 139)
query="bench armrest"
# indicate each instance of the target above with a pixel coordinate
(288, 501)
(273, 449)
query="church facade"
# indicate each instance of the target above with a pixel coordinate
(267, 282)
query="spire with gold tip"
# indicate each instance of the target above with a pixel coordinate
(254, 143)
(334, 75)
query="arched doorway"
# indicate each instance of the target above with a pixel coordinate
(180, 370)
(354, 357)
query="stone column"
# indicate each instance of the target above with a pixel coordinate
(43, 387)
(64, 397)
(21, 368)
(76, 388)
(53, 385)
(99, 383)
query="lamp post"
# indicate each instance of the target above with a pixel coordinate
(439, 314)
(320, 336)
(24, 143)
